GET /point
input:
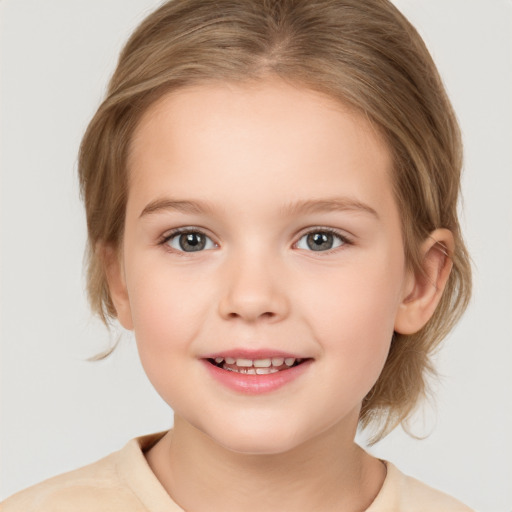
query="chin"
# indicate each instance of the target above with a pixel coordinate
(260, 441)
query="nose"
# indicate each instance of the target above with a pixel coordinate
(253, 290)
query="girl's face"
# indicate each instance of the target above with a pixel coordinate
(261, 232)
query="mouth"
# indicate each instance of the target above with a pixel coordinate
(261, 366)
(256, 373)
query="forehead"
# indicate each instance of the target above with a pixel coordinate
(256, 139)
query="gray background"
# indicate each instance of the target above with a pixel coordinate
(59, 412)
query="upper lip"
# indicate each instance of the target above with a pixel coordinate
(253, 354)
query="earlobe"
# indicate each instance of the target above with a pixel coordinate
(114, 272)
(423, 289)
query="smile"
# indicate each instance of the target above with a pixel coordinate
(256, 366)
(261, 374)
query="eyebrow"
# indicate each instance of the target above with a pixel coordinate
(165, 204)
(329, 205)
(302, 206)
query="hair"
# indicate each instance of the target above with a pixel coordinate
(364, 54)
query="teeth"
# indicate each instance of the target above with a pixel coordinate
(256, 366)
(262, 363)
(266, 371)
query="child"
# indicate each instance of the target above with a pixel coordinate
(271, 191)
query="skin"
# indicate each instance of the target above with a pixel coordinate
(255, 168)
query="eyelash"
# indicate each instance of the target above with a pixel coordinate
(343, 238)
(182, 231)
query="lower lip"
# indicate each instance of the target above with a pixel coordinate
(256, 384)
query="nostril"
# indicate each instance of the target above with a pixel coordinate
(266, 315)
(250, 303)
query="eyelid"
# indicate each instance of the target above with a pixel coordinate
(342, 235)
(170, 234)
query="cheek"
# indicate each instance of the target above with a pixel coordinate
(353, 319)
(166, 307)
(165, 320)
(357, 297)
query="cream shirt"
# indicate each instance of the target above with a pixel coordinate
(123, 482)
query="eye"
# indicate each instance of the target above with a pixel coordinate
(190, 241)
(321, 240)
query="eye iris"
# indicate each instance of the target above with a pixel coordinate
(320, 241)
(192, 242)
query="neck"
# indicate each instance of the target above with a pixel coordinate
(329, 472)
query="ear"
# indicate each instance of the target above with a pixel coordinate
(114, 271)
(423, 289)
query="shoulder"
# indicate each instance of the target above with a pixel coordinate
(403, 493)
(101, 486)
(93, 487)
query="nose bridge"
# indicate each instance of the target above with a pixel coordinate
(253, 286)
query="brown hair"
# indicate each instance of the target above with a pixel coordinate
(363, 53)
